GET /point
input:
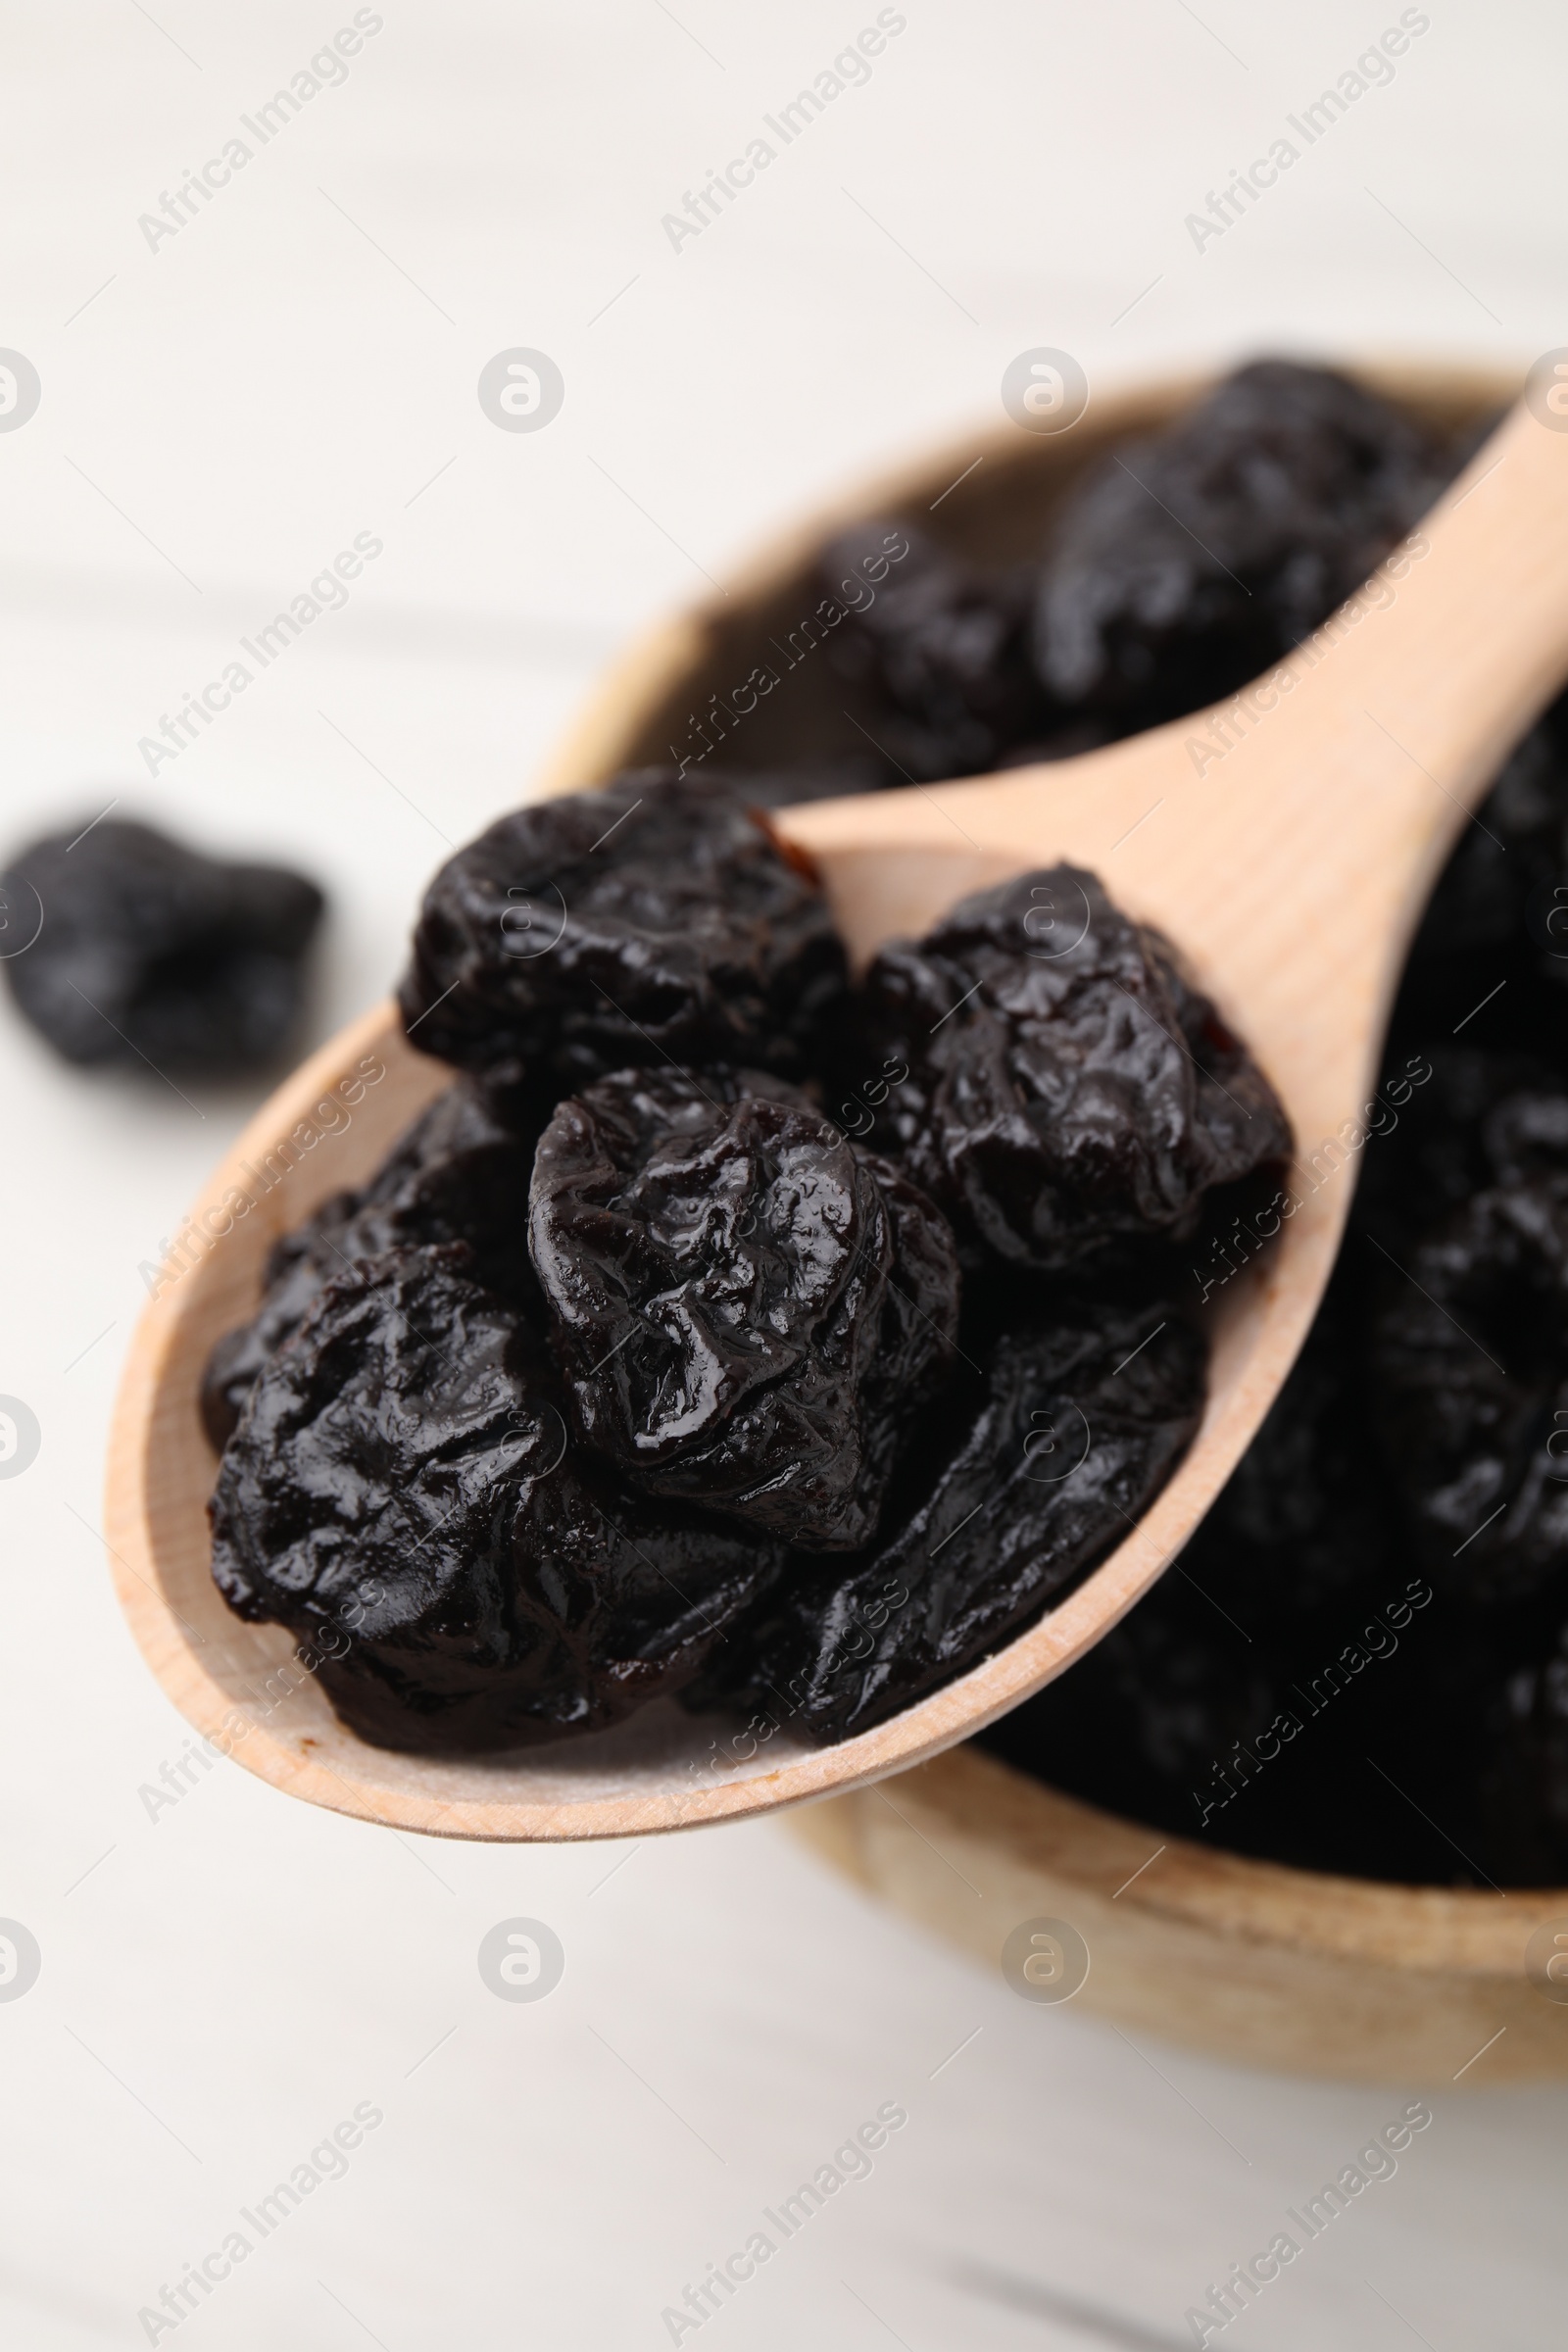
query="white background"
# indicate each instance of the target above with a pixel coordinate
(224, 413)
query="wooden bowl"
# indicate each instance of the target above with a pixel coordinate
(1289, 1969)
(333, 1120)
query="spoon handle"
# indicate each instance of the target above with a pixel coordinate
(1310, 811)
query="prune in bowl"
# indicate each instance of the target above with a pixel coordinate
(749, 1305)
(942, 645)
(1469, 1349)
(1186, 563)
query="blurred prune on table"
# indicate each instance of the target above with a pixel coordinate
(147, 951)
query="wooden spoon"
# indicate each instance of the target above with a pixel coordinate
(1286, 841)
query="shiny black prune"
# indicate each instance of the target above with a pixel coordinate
(653, 920)
(1469, 1349)
(943, 646)
(151, 953)
(1184, 565)
(1526, 1135)
(461, 1174)
(1434, 1156)
(1536, 1751)
(1067, 1090)
(1061, 1446)
(399, 1494)
(1140, 1722)
(1371, 1739)
(749, 1305)
(1305, 1518)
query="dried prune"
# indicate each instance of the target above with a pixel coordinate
(1470, 1354)
(1068, 1437)
(1145, 1718)
(1067, 1090)
(1186, 563)
(749, 1305)
(652, 921)
(1537, 1697)
(1338, 1744)
(399, 1494)
(461, 1174)
(943, 646)
(151, 953)
(1304, 1519)
(1431, 1155)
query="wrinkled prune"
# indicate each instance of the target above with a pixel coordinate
(1340, 1745)
(652, 921)
(461, 1174)
(943, 646)
(1516, 841)
(1067, 1090)
(1187, 562)
(1440, 1157)
(150, 951)
(1538, 1705)
(1073, 1432)
(749, 1305)
(1526, 1135)
(1304, 1519)
(1470, 1353)
(399, 1496)
(1149, 1712)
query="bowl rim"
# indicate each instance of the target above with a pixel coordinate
(1325, 1914)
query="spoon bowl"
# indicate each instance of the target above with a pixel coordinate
(1286, 840)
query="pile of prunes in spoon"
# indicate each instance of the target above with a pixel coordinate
(635, 1374)
(733, 1333)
